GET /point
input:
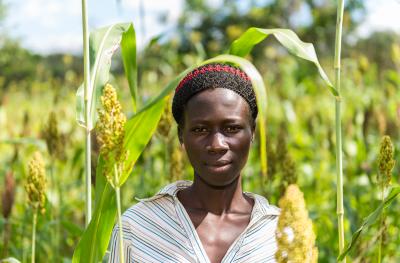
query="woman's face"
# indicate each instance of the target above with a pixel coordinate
(217, 133)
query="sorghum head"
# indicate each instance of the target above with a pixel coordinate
(295, 235)
(111, 131)
(385, 161)
(35, 185)
(8, 194)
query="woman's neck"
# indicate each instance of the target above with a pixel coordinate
(216, 199)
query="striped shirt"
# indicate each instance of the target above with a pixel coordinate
(158, 229)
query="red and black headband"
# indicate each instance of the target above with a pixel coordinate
(213, 75)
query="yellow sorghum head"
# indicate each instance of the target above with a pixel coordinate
(295, 235)
(176, 166)
(35, 185)
(166, 121)
(111, 132)
(288, 171)
(385, 161)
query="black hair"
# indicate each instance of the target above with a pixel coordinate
(214, 75)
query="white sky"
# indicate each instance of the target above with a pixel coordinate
(48, 26)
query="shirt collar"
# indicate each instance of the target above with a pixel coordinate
(261, 205)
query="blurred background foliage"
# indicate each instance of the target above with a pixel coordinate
(37, 111)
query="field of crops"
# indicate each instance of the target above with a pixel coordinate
(43, 129)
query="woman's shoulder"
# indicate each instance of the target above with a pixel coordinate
(157, 207)
(262, 206)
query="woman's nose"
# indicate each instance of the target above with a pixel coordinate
(217, 143)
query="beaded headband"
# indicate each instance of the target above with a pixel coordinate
(212, 67)
(213, 75)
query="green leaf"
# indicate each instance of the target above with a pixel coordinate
(10, 260)
(244, 44)
(128, 51)
(94, 241)
(26, 141)
(138, 132)
(103, 44)
(371, 219)
(73, 229)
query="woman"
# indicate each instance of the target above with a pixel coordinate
(212, 219)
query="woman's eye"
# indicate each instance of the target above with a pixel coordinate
(200, 129)
(232, 129)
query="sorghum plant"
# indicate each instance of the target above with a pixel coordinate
(295, 235)
(53, 137)
(339, 162)
(385, 162)
(35, 187)
(111, 134)
(385, 165)
(55, 146)
(7, 199)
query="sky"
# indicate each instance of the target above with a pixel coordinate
(51, 26)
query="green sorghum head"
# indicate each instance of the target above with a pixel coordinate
(35, 185)
(54, 140)
(385, 161)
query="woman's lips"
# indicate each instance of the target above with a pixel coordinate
(219, 166)
(219, 163)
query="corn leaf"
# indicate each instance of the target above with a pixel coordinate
(245, 43)
(103, 44)
(371, 219)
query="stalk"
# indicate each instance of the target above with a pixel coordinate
(339, 163)
(381, 226)
(118, 194)
(34, 235)
(121, 244)
(53, 212)
(86, 70)
(6, 236)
